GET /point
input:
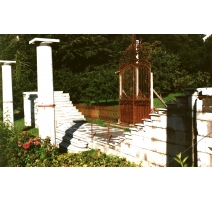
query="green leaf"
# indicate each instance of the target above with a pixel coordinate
(177, 160)
(184, 160)
(179, 155)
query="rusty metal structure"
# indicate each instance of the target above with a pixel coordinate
(134, 84)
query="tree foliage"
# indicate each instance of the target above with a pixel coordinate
(85, 64)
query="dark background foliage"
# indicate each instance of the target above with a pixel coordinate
(85, 64)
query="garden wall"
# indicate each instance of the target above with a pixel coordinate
(184, 127)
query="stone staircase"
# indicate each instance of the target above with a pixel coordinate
(65, 111)
(149, 137)
(81, 136)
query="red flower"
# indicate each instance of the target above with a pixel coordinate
(26, 145)
(36, 143)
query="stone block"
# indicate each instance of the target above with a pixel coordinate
(156, 124)
(147, 143)
(155, 158)
(179, 123)
(137, 141)
(204, 127)
(155, 117)
(170, 136)
(201, 145)
(125, 148)
(173, 149)
(160, 147)
(159, 134)
(180, 137)
(148, 123)
(204, 116)
(135, 151)
(169, 122)
(141, 132)
(204, 159)
(199, 105)
(163, 121)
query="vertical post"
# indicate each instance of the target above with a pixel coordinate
(120, 95)
(46, 110)
(108, 132)
(151, 91)
(27, 109)
(136, 71)
(7, 93)
(120, 85)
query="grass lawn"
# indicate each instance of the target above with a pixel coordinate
(168, 98)
(19, 123)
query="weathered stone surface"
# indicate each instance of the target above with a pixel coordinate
(173, 149)
(204, 127)
(170, 136)
(204, 159)
(180, 137)
(201, 145)
(204, 116)
(179, 123)
(159, 134)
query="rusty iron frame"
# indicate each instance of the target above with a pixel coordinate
(106, 113)
(134, 84)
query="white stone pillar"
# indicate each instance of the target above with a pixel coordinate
(7, 92)
(27, 109)
(46, 110)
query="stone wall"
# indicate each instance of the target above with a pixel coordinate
(183, 127)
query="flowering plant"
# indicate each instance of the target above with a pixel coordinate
(19, 149)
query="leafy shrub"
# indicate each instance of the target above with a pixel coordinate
(20, 149)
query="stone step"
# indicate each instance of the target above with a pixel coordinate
(71, 148)
(127, 133)
(147, 122)
(64, 138)
(154, 117)
(58, 92)
(133, 131)
(68, 116)
(61, 100)
(79, 143)
(64, 113)
(139, 125)
(65, 107)
(162, 110)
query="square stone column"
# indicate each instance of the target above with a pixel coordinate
(46, 110)
(7, 92)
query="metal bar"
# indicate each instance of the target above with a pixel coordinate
(108, 133)
(160, 98)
